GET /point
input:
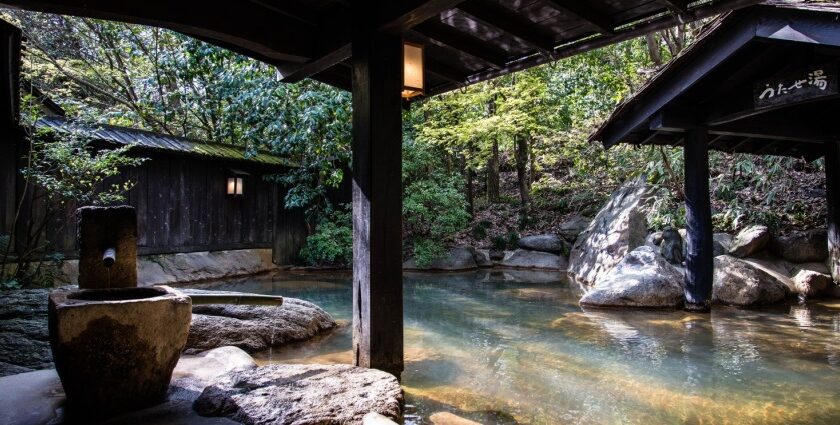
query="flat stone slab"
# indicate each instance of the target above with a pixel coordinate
(24, 337)
(525, 259)
(254, 328)
(36, 398)
(303, 394)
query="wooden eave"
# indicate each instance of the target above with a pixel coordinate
(711, 85)
(467, 40)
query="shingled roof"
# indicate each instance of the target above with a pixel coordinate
(164, 143)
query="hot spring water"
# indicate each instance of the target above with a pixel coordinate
(514, 346)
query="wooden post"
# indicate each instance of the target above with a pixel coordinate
(832, 195)
(699, 261)
(377, 195)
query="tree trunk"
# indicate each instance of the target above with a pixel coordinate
(532, 175)
(493, 174)
(521, 168)
(653, 50)
(470, 192)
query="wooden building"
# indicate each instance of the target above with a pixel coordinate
(761, 80)
(189, 195)
(362, 46)
(197, 196)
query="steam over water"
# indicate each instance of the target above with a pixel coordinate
(515, 347)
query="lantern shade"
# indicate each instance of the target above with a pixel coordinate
(234, 186)
(413, 83)
(231, 186)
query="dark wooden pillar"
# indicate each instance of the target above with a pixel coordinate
(377, 195)
(699, 261)
(832, 195)
(9, 132)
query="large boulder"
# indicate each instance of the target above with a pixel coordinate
(642, 279)
(24, 336)
(459, 258)
(255, 328)
(572, 228)
(192, 266)
(194, 372)
(741, 283)
(802, 247)
(618, 228)
(525, 259)
(303, 394)
(721, 243)
(749, 241)
(544, 243)
(672, 247)
(482, 258)
(810, 283)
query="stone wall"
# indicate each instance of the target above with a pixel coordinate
(187, 267)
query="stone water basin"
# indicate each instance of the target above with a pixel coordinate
(115, 349)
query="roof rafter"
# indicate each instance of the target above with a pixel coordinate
(450, 37)
(506, 20)
(395, 17)
(583, 10)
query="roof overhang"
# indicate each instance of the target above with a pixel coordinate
(466, 41)
(712, 85)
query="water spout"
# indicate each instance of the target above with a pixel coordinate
(109, 257)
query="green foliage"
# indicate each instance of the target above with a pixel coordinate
(479, 229)
(507, 241)
(164, 81)
(434, 209)
(68, 168)
(63, 168)
(332, 242)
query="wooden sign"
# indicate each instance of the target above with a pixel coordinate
(796, 86)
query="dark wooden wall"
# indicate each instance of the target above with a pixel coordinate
(182, 206)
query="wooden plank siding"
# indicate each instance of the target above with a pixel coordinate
(182, 206)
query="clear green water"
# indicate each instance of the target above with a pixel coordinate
(514, 347)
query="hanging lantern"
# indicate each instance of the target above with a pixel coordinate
(413, 78)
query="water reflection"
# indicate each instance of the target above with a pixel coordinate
(513, 346)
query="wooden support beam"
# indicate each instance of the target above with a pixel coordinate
(677, 6)
(448, 36)
(444, 71)
(396, 17)
(584, 11)
(788, 125)
(510, 22)
(242, 28)
(377, 194)
(323, 62)
(832, 195)
(699, 260)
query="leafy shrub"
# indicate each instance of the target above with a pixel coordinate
(665, 212)
(433, 211)
(508, 241)
(332, 242)
(479, 230)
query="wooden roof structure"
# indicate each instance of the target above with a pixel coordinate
(466, 41)
(719, 83)
(152, 141)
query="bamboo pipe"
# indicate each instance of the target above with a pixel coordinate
(236, 299)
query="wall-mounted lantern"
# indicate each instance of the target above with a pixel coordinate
(413, 83)
(235, 182)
